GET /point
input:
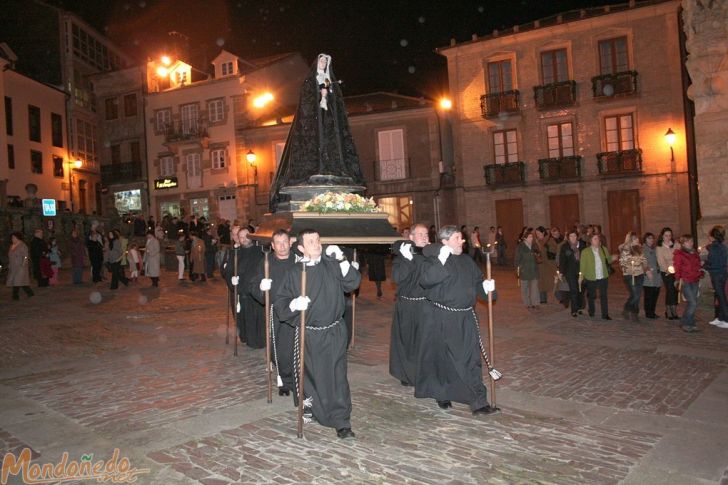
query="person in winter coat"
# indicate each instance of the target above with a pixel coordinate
(666, 246)
(653, 283)
(526, 262)
(546, 263)
(181, 253)
(569, 254)
(688, 272)
(594, 267)
(78, 257)
(54, 254)
(95, 247)
(634, 266)
(135, 262)
(197, 257)
(376, 260)
(152, 258)
(37, 247)
(114, 257)
(716, 265)
(18, 266)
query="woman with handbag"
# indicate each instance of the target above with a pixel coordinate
(595, 267)
(569, 256)
(634, 267)
(526, 264)
(653, 282)
(666, 247)
(18, 267)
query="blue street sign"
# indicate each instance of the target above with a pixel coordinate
(49, 207)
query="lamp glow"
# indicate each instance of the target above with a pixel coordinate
(263, 99)
(251, 157)
(670, 136)
(162, 71)
(445, 103)
(166, 60)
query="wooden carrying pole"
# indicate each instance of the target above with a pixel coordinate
(235, 301)
(353, 312)
(301, 356)
(490, 331)
(227, 315)
(268, 369)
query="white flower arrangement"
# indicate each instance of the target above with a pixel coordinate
(340, 202)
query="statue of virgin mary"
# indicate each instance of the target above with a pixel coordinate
(319, 151)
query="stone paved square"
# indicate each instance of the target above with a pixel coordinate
(147, 371)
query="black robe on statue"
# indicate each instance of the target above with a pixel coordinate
(449, 362)
(325, 353)
(404, 343)
(282, 351)
(319, 142)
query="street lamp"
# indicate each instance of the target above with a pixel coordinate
(251, 157)
(166, 60)
(78, 163)
(263, 99)
(670, 138)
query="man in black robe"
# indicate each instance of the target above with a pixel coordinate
(232, 278)
(449, 365)
(249, 311)
(282, 335)
(326, 388)
(406, 271)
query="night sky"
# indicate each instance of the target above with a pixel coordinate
(377, 45)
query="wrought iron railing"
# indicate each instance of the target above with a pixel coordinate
(121, 172)
(497, 175)
(555, 95)
(558, 169)
(185, 130)
(494, 104)
(617, 84)
(624, 162)
(392, 169)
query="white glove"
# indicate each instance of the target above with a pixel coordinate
(488, 286)
(237, 308)
(344, 265)
(300, 303)
(355, 265)
(335, 251)
(406, 251)
(234, 280)
(445, 252)
(265, 284)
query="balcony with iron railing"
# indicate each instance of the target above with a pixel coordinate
(495, 104)
(625, 162)
(560, 169)
(614, 85)
(185, 130)
(395, 169)
(505, 174)
(555, 95)
(121, 173)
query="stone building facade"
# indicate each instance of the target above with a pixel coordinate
(122, 150)
(564, 121)
(196, 162)
(706, 28)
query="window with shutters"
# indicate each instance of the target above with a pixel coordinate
(166, 167)
(619, 132)
(162, 120)
(505, 146)
(216, 110)
(500, 76)
(111, 108)
(560, 138)
(392, 162)
(190, 118)
(613, 55)
(57, 166)
(554, 66)
(130, 105)
(218, 158)
(57, 130)
(194, 170)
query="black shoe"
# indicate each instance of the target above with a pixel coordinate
(485, 410)
(444, 404)
(282, 391)
(404, 383)
(580, 312)
(606, 317)
(345, 433)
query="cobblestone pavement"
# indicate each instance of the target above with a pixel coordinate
(147, 371)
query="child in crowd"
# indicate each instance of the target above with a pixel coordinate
(688, 272)
(46, 269)
(135, 262)
(55, 256)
